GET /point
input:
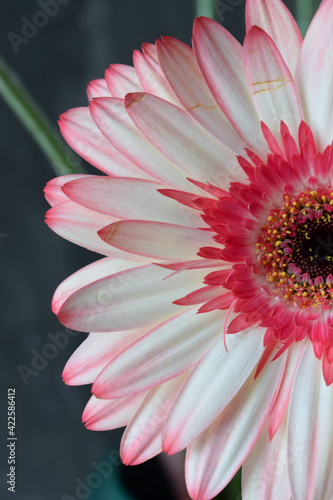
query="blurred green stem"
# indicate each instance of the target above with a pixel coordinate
(304, 13)
(204, 8)
(62, 160)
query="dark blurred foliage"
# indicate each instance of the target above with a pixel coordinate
(54, 450)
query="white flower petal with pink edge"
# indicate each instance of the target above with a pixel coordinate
(190, 415)
(53, 190)
(106, 414)
(282, 400)
(121, 79)
(163, 124)
(310, 435)
(272, 87)
(214, 458)
(113, 121)
(95, 271)
(180, 67)
(79, 225)
(314, 75)
(95, 353)
(157, 240)
(274, 18)
(220, 59)
(129, 198)
(81, 133)
(139, 296)
(151, 77)
(265, 471)
(97, 88)
(142, 438)
(163, 353)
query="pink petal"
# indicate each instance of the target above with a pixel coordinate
(271, 84)
(180, 68)
(81, 133)
(157, 240)
(92, 356)
(97, 88)
(113, 121)
(53, 189)
(195, 152)
(121, 79)
(151, 77)
(199, 296)
(163, 353)
(274, 18)
(220, 59)
(128, 198)
(79, 225)
(106, 414)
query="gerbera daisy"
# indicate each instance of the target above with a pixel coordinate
(212, 309)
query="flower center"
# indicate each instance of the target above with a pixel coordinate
(296, 248)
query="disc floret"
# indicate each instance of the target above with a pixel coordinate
(296, 248)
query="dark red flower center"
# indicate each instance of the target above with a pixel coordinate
(296, 248)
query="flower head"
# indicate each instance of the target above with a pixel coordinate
(212, 309)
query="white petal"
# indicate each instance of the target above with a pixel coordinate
(142, 439)
(211, 386)
(151, 77)
(272, 87)
(128, 198)
(97, 88)
(103, 415)
(92, 356)
(157, 240)
(181, 140)
(93, 272)
(53, 190)
(136, 297)
(81, 133)
(214, 458)
(220, 59)
(314, 75)
(121, 79)
(274, 18)
(265, 471)
(79, 225)
(282, 400)
(310, 435)
(165, 352)
(113, 121)
(180, 68)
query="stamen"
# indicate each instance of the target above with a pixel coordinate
(296, 248)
